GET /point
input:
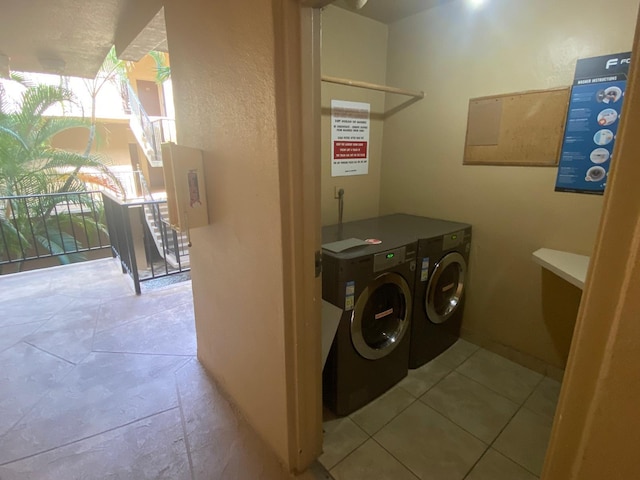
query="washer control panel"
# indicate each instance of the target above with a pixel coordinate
(389, 259)
(452, 240)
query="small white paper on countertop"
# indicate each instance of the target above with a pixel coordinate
(342, 245)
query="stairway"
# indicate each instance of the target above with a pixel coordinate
(161, 231)
(150, 133)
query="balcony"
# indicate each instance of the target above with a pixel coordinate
(98, 382)
(38, 231)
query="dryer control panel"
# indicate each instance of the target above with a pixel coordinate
(452, 240)
(389, 259)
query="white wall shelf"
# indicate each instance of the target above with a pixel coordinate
(569, 266)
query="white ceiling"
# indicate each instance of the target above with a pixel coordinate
(389, 11)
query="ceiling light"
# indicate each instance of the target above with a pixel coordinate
(476, 3)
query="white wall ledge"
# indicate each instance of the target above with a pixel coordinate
(569, 266)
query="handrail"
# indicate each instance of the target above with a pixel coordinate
(142, 128)
(60, 225)
(158, 260)
(42, 195)
(150, 132)
(135, 203)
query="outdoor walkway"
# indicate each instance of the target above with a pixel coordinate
(96, 382)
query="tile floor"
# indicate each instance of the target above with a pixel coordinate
(468, 414)
(96, 382)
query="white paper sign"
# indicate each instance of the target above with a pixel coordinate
(349, 138)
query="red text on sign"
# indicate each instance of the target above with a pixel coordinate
(349, 150)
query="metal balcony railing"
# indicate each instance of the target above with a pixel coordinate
(147, 250)
(65, 225)
(150, 132)
(69, 226)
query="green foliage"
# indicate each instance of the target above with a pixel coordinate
(30, 165)
(113, 71)
(55, 224)
(163, 70)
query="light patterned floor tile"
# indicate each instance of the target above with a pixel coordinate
(545, 398)
(525, 439)
(21, 310)
(12, 334)
(172, 332)
(27, 374)
(221, 442)
(500, 375)
(471, 405)
(103, 392)
(371, 461)
(149, 449)
(341, 437)
(457, 353)
(431, 446)
(375, 415)
(494, 466)
(418, 381)
(68, 334)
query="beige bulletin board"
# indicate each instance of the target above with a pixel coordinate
(523, 129)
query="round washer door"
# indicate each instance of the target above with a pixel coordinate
(445, 287)
(380, 318)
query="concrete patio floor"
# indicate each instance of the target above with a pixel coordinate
(96, 382)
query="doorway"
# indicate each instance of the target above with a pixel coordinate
(149, 96)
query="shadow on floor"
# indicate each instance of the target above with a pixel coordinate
(97, 382)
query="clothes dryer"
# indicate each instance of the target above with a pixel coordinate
(373, 285)
(439, 296)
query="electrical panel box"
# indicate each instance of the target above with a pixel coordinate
(185, 184)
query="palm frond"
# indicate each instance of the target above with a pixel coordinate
(38, 99)
(85, 227)
(13, 135)
(15, 240)
(163, 70)
(18, 77)
(112, 70)
(59, 244)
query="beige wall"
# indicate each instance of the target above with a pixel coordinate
(596, 430)
(353, 47)
(112, 141)
(224, 88)
(454, 53)
(145, 69)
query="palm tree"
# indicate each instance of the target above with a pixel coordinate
(29, 164)
(112, 70)
(30, 167)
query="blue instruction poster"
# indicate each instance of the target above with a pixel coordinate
(592, 123)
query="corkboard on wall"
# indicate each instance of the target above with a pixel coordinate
(523, 129)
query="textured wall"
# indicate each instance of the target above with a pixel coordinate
(353, 47)
(454, 53)
(597, 428)
(222, 60)
(112, 141)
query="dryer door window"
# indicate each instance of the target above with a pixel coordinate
(381, 315)
(445, 287)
